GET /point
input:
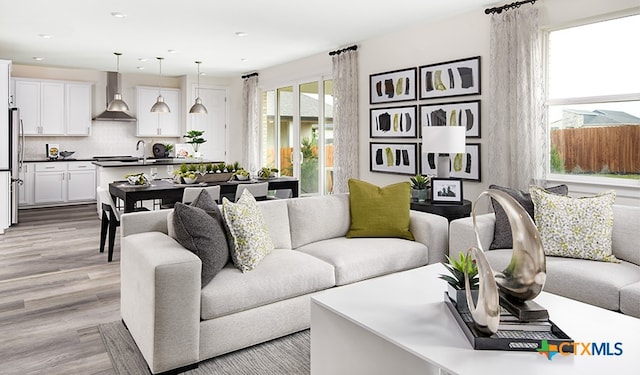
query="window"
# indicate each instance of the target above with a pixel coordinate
(297, 133)
(593, 100)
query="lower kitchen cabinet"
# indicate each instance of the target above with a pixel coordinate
(58, 183)
(25, 190)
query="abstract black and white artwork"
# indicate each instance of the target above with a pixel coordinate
(396, 122)
(395, 86)
(465, 114)
(451, 78)
(464, 166)
(393, 158)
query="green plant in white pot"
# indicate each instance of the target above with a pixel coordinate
(456, 279)
(195, 139)
(419, 184)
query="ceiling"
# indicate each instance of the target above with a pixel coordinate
(84, 34)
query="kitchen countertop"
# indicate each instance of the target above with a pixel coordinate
(150, 162)
(55, 160)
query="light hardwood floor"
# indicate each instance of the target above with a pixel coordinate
(55, 288)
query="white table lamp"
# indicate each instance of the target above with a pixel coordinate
(443, 140)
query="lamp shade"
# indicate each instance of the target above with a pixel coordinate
(117, 104)
(160, 106)
(443, 139)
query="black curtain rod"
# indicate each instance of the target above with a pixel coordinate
(337, 52)
(249, 75)
(508, 6)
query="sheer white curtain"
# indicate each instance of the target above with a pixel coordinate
(517, 127)
(345, 119)
(251, 123)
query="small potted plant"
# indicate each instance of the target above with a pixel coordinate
(456, 280)
(187, 173)
(266, 173)
(241, 174)
(168, 147)
(419, 185)
(194, 137)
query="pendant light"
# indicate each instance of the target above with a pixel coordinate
(198, 107)
(117, 104)
(160, 105)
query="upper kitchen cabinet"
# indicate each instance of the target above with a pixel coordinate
(53, 107)
(158, 124)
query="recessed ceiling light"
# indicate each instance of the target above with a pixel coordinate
(203, 73)
(143, 59)
(241, 33)
(244, 60)
(172, 51)
(140, 67)
(38, 58)
(118, 14)
(45, 36)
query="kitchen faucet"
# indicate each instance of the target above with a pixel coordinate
(144, 155)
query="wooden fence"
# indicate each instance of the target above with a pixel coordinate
(607, 149)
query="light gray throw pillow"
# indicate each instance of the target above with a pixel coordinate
(198, 227)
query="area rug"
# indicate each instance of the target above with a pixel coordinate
(286, 355)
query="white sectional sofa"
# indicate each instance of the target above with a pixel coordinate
(613, 286)
(176, 323)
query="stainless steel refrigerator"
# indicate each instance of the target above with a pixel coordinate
(16, 152)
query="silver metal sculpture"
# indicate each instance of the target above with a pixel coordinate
(524, 277)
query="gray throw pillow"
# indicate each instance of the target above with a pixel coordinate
(502, 229)
(198, 229)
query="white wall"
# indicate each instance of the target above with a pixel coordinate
(119, 138)
(458, 37)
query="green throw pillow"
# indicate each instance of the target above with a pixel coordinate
(379, 212)
(250, 240)
(575, 227)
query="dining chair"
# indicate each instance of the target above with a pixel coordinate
(191, 193)
(258, 190)
(110, 220)
(283, 193)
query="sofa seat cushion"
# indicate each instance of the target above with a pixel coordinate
(356, 259)
(592, 282)
(630, 300)
(282, 274)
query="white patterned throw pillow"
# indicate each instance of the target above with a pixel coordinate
(250, 239)
(575, 227)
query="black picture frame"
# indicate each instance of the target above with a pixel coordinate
(394, 122)
(398, 158)
(451, 78)
(471, 167)
(394, 86)
(465, 113)
(446, 190)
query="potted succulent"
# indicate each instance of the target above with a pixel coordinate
(266, 172)
(419, 185)
(168, 147)
(241, 174)
(456, 280)
(188, 174)
(194, 137)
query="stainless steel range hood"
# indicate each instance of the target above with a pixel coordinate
(112, 88)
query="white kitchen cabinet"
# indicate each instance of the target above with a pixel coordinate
(158, 124)
(78, 108)
(59, 183)
(50, 182)
(53, 107)
(26, 189)
(81, 181)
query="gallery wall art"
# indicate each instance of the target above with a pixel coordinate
(465, 166)
(393, 122)
(395, 86)
(465, 114)
(451, 78)
(398, 158)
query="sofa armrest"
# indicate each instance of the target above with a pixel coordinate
(431, 230)
(462, 235)
(144, 221)
(160, 299)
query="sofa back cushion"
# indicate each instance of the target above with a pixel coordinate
(626, 233)
(318, 218)
(276, 216)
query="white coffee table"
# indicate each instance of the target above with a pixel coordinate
(399, 324)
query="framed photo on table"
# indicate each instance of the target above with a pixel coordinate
(465, 114)
(446, 190)
(398, 158)
(451, 78)
(395, 86)
(393, 122)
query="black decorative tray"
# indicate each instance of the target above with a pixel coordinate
(510, 340)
